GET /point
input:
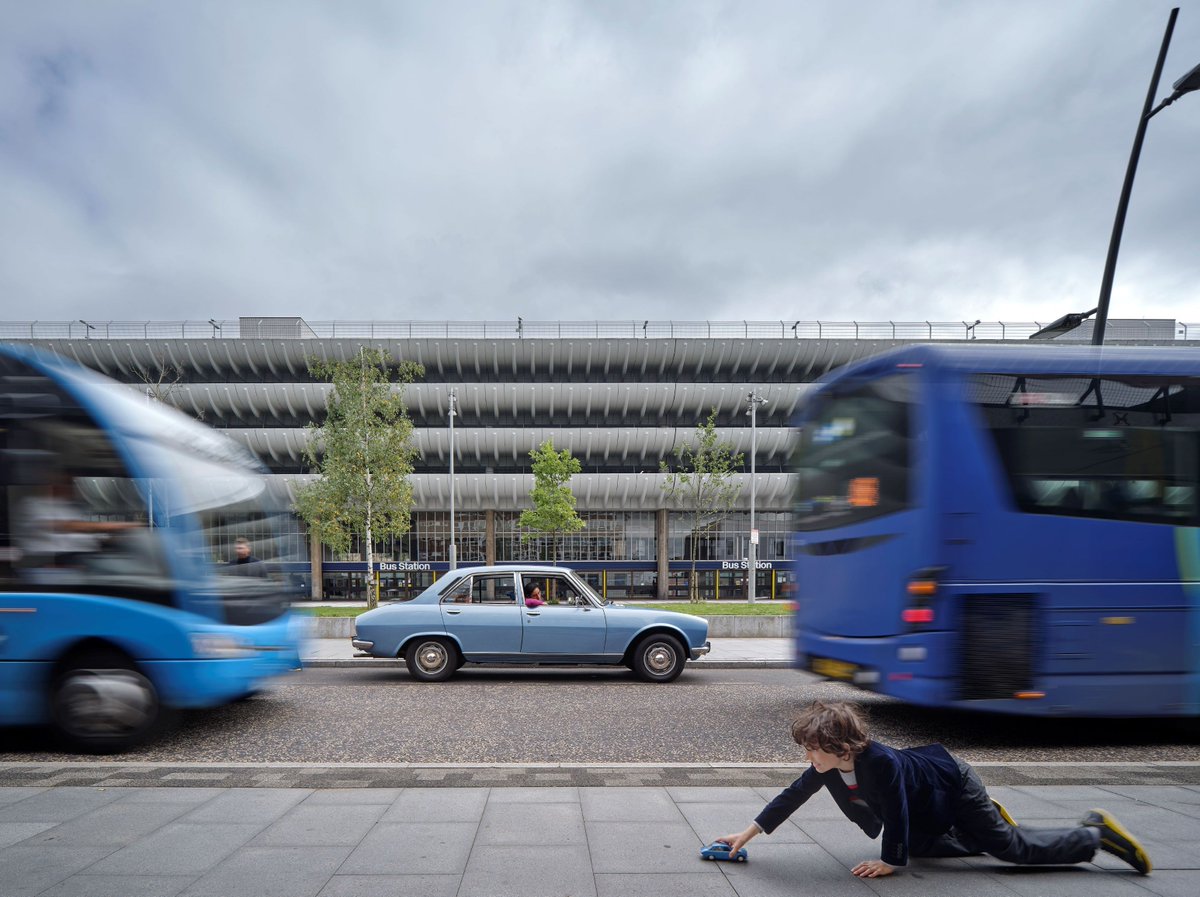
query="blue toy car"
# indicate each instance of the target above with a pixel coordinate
(719, 850)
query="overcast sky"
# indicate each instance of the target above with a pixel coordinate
(894, 160)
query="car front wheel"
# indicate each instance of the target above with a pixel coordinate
(658, 658)
(431, 659)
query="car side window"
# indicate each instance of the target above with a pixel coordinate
(460, 593)
(493, 589)
(561, 592)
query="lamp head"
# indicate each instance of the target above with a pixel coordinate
(1188, 83)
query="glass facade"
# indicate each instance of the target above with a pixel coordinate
(727, 538)
(606, 536)
(615, 552)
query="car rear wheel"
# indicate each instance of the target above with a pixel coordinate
(658, 658)
(101, 703)
(431, 659)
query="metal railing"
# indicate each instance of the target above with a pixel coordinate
(296, 328)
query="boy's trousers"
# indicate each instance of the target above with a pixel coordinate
(979, 828)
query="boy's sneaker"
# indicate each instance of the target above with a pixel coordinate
(1004, 814)
(1115, 840)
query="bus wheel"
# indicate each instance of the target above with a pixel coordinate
(658, 658)
(431, 659)
(101, 703)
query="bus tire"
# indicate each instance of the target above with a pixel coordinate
(658, 658)
(431, 659)
(101, 703)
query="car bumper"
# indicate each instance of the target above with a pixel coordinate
(697, 653)
(362, 644)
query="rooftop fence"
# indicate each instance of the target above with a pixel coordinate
(298, 328)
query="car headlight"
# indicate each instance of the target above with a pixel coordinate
(219, 646)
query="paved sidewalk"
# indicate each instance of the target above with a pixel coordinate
(726, 653)
(532, 842)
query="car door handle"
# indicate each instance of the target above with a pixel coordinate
(453, 612)
(533, 613)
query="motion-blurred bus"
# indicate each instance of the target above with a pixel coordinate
(122, 596)
(1006, 529)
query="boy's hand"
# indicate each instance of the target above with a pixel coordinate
(739, 840)
(873, 869)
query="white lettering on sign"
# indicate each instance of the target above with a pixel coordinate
(745, 565)
(403, 566)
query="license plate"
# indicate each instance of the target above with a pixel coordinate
(833, 669)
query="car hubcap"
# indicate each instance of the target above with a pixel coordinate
(432, 657)
(660, 658)
(105, 702)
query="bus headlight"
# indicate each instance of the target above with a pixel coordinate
(206, 644)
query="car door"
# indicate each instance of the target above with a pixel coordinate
(481, 612)
(569, 624)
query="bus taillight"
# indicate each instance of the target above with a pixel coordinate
(922, 588)
(917, 615)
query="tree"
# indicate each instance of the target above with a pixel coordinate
(553, 508)
(159, 378)
(701, 481)
(364, 454)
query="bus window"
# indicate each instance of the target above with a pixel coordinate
(76, 517)
(853, 457)
(1124, 449)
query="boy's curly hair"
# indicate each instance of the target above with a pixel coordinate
(837, 728)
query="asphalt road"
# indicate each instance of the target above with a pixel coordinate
(605, 716)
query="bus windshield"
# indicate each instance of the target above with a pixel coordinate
(853, 458)
(114, 493)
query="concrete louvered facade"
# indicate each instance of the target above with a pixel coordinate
(620, 403)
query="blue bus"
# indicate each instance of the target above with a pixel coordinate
(131, 582)
(1008, 529)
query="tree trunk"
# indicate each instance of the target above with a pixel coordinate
(694, 586)
(372, 595)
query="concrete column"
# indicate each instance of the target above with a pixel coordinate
(317, 585)
(662, 530)
(489, 537)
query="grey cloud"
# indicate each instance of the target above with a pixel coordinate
(780, 160)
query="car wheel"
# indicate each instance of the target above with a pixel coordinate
(100, 703)
(658, 658)
(431, 659)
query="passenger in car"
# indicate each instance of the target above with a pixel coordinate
(533, 595)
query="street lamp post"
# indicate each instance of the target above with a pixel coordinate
(752, 553)
(1186, 84)
(453, 414)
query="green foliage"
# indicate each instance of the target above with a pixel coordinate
(553, 510)
(701, 483)
(364, 454)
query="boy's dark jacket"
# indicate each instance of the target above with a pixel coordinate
(910, 795)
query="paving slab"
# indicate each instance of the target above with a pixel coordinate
(530, 841)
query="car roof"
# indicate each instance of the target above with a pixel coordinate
(512, 568)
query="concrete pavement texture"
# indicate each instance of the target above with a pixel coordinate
(534, 842)
(727, 653)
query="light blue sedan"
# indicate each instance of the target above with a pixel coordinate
(482, 615)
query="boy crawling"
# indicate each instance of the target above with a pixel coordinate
(926, 801)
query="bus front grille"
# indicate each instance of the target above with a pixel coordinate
(998, 646)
